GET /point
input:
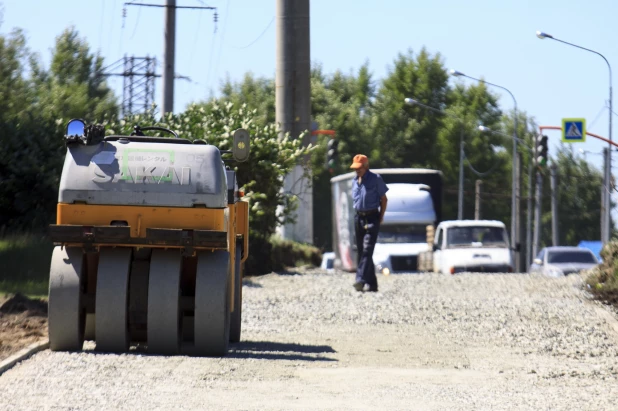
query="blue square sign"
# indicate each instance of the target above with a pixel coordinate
(573, 130)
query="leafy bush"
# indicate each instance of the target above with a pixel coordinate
(279, 254)
(603, 279)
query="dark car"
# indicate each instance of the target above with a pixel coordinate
(561, 261)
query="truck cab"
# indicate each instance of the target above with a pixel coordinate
(403, 232)
(471, 246)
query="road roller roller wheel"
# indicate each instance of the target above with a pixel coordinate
(236, 316)
(66, 314)
(112, 298)
(212, 308)
(163, 302)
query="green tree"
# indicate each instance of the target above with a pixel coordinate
(74, 86)
(34, 106)
(340, 102)
(16, 94)
(579, 200)
(257, 93)
(406, 136)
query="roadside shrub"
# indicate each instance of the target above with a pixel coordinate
(278, 254)
(603, 279)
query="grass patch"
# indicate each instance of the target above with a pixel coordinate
(24, 265)
(603, 280)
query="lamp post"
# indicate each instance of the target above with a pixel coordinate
(413, 102)
(515, 183)
(529, 202)
(605, 233)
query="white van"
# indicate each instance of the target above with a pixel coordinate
(471, 246)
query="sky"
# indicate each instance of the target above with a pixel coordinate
(492, 39)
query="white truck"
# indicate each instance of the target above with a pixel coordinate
(403, 233)
(414, 202)
(471, 246)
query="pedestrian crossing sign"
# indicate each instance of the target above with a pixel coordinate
(573, 130)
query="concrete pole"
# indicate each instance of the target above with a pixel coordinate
(608, 195)
(461, 175)
(477, 200)
(604, 191)
(537, 213)
(554, 205)
(169, 54)
(517, 158)
(293, 104)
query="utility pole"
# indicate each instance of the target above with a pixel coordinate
(518, 210)
(169, 50)
(477, 200)
(537, 213)
(293, 104)
(554, 205)
(169, 53)
(605, 195)
(529, 255)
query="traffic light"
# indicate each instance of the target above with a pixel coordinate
(541, 151)
(332, 154)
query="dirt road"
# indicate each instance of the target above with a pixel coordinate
(310, 341)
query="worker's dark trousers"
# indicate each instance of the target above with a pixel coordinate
(367, 228)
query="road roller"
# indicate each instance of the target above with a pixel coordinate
(150, 239)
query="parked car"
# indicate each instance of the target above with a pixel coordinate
(560, 261)
(328, 261)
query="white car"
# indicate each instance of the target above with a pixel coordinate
(561, 261)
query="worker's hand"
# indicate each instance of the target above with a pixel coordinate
(381, 218)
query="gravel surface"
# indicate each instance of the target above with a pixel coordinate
(435, 342)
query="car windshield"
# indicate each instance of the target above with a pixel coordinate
(557, 257)
(476, 236)
(402, 233)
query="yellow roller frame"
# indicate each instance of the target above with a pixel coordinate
(139, 218)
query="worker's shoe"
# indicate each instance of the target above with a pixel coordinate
(358, 286)
(370, 288)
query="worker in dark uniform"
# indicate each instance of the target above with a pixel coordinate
(369, 196)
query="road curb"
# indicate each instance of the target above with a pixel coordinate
(8, 363)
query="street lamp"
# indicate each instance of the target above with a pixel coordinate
(529, 202)
(514, 216)
(413, 102)
(605, 234)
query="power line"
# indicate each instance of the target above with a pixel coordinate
(596, 118)
(139, 13)
(227, 9)
(101, 25)
(199, 23)
(210, 60)
(166, 6)
(111, 31)
(259, 37)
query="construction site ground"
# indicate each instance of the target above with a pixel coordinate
(310, 341)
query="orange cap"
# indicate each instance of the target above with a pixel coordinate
(359, 161)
